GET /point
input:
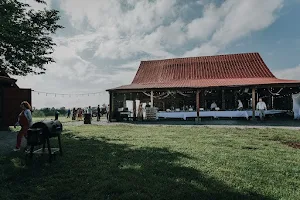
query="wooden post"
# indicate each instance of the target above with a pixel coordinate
(111, 100)
(151, 103)
(272, 103)
(235, 99)
(223, 100)
(198, 105)
(134, 107)
(253, 103)
(124, 101)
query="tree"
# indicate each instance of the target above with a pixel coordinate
(25, 37)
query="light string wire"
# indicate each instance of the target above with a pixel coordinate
(68, 94)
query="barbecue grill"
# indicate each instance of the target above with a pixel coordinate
(40, 134)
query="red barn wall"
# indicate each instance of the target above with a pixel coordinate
(11, 100)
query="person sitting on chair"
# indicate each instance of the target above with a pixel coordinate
(240, 105)
(213, 106)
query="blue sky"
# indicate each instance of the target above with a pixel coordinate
(104, 41)
(278, 44)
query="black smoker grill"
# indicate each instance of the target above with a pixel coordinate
(40, 134)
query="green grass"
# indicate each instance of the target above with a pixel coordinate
(158, 162)
(61, 119)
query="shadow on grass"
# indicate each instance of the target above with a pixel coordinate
(101, 169)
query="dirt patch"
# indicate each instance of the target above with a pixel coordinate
(295, 145)
(250, 148)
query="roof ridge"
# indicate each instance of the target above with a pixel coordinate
(193, 57)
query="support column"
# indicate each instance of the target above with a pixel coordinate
(198, 105)
(134, 107)
(124, 101)
(272, 102)
(223, 100)
(236, 98)
(151, 99)
(253, 103)
(111, 105)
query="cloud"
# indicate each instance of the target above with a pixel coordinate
(235, 20)
(290, 73)
(104, 41)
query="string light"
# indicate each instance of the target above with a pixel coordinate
(70, 95)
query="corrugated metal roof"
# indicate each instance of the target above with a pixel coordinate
(206, 71)
(204, 83)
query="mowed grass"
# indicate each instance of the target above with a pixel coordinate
(159, 162)
(62, 119)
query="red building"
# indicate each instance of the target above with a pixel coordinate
(199, 81)
(11, 97)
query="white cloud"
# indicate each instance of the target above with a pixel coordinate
(290, 73)
(113, 36)
(202, 28)
(238, 19)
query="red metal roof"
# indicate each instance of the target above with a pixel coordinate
(206, 71)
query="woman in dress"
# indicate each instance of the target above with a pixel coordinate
(25, 121)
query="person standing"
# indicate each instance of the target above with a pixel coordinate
(98, 113)
(107, 113)
(89, 111)
(25, 121)
(69, 113)
(140, 112)
(56, 115)
(261, 107)
(80, 114)
(74, 114)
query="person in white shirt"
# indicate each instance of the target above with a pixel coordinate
(261, 107)
(213, 106)
(240, 105)
(90, 111)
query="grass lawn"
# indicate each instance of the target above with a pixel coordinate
(62, 119)
(158, 162)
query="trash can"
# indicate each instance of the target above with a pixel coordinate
(87, 118)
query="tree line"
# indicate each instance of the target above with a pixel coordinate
(46, 112)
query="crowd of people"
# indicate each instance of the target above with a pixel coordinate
(78, 113)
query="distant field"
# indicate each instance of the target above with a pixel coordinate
(159, 162)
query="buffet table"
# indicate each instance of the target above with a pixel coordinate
(215, 114)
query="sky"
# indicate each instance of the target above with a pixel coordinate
(104, 41)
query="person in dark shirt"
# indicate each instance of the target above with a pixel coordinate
(98, 113)
(148, 105)
(69, 113)
(56, 115)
